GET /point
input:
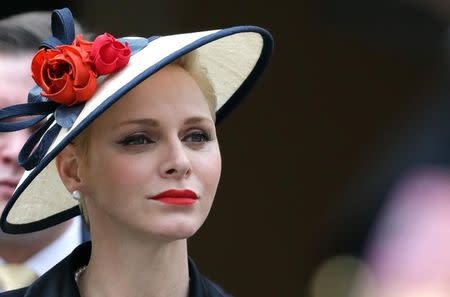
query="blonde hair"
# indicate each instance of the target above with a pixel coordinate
(190, 63)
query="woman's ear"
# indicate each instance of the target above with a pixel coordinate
(68, 165)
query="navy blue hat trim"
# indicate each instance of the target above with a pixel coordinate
(234, 100)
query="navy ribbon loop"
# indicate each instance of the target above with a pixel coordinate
(38, 109)
(11, 127)
(39, 142)
(29, 158)
(63, 29)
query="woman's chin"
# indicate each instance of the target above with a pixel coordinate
(175, 230)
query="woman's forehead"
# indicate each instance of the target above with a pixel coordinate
(169, 93)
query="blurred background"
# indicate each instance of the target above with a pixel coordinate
(336, 169)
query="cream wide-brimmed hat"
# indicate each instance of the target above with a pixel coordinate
(63, 99)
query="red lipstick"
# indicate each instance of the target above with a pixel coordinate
(176, 197)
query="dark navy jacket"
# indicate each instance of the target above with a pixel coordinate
(60, 282)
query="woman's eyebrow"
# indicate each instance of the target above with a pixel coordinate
(154, 123)
(197, 120)
(144, 121)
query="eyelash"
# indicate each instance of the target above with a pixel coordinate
(205, 137)
(133, 139)
(142, 139)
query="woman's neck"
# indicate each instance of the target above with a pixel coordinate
(136, 269)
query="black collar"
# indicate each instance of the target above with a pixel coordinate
(59, 281)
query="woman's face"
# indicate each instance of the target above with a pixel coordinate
(158, 137)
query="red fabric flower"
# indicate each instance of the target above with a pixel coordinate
(65, 74)
(83, 44)
(108, 54)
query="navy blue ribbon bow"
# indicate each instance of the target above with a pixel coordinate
(37, 145)
(63, 29)
(39, 107)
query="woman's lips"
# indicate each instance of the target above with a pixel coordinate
(176, 197)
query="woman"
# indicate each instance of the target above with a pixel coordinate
(143, 169)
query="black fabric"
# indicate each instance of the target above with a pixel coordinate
(59, 281)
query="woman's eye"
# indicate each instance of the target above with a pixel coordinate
(137, 139)
(197, 137)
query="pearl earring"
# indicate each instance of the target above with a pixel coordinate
(76, 195)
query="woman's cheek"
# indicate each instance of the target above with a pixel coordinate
(113, 171)
(125, 171)
(211, 169)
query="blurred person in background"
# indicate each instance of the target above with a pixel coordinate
(391, 235)
(407, 252)
(20, 37)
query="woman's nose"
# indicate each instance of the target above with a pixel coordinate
(176, 163)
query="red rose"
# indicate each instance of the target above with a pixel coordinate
(108, 54)
(65, 74)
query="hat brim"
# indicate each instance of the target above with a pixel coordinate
(234, 58)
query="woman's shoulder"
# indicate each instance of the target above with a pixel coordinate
(14, 293)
